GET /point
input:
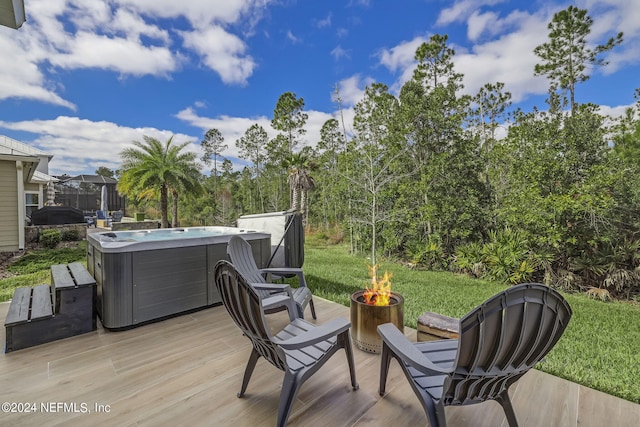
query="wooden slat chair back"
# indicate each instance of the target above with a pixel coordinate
(244, 306)
(299, 349)
(241, 256)
(500, 340)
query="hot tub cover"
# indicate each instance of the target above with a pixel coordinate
(57, 215)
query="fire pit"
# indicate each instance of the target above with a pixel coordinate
(373, 307)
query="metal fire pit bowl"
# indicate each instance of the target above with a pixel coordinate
(365, 319)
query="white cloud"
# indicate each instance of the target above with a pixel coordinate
(508, 58)
(199, 13)
(21, 77)
(314, 125)
(78, 144)
(125, 56)
(402, 55)
(461, 10)
(292, 38)
(123, 36)
(222, 52)
(401, 59)
(615, 111)
(338, 53)
(233, 128)
(363, 3)
(132, 25)
(326, 22)
(611, 17)
(478, 23)
(352, 89)
(626, 14)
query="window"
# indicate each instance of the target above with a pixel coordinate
(32, 202)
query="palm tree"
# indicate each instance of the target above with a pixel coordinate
(188, 184)
(300, 181)
(153, 169)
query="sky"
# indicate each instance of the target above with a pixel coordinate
(82, 79)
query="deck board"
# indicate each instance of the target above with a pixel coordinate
(186, 371)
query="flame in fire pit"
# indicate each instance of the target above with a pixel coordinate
(380, 291)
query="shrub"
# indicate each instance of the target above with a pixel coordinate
(429, 255)
(71, 235)
(50, 238)
(469, 259)
(335, 236)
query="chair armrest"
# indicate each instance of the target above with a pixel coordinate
(284, 298)
(272, 287)
(405, 350)
(281, 301)
(285, 271)
(315, 335)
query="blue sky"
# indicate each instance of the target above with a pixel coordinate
(83, 78)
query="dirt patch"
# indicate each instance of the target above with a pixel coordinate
(6, 259)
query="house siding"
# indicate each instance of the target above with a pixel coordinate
(28, 186)
(8, 206)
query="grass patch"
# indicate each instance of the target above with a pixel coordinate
(41, 259)
(33, 267)
(600, 348)
(7, 286)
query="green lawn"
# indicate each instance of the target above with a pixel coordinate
(33, 267)
(599, 349)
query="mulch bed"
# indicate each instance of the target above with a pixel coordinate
(6, 259)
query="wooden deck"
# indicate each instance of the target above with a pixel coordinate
(187, 370)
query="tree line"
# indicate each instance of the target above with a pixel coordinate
(424, 177)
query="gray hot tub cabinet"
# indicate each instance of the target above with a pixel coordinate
(138, 282)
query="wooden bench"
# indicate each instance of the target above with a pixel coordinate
(74, 296)
(29, 307)
(47, 313)
(434, 326)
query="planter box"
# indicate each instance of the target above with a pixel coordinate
(139, 216)
(434, 326)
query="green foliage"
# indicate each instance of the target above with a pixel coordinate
(429, 255)
(105, 171)
(9, 285)
(424, 176)
(70, 235)
(566, 56)
(469, 258)
(446, 196)
(42, 259)
(212, 146)
(506, 258)
(374, 163)
(289, 118)
(153, 169)
(597, 349)
(33, 267)
(50, 238)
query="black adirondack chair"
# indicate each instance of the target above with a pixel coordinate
(299, 349)
(239, 251)
(500, 340)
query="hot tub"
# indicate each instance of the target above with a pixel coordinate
(146, 275)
